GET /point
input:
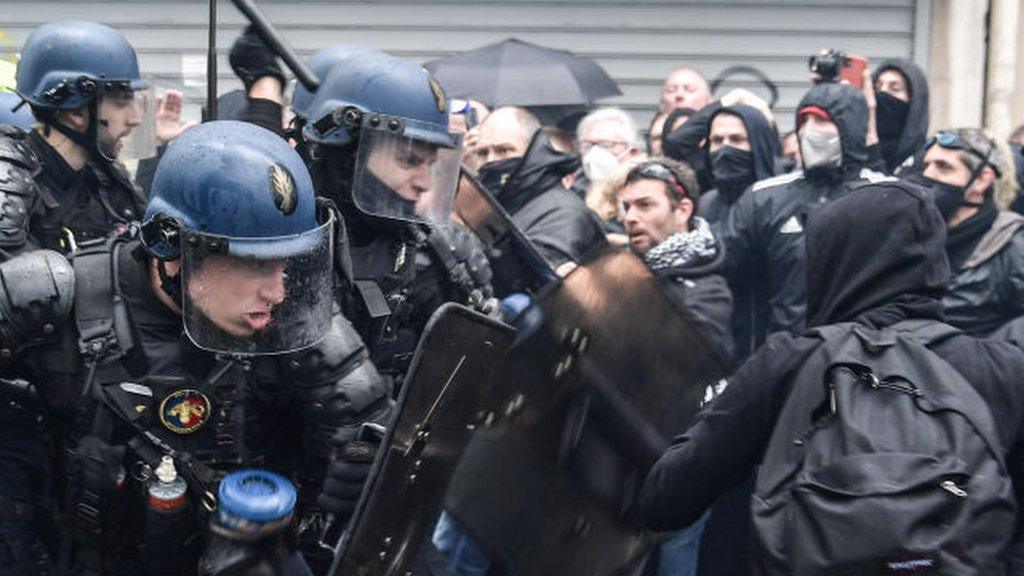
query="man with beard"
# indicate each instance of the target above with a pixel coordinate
(985, 245)
(901, 115)
(763, 234)
(62, 184)
(527, 176)
(742, 147)
(884, 266)
(658, 205)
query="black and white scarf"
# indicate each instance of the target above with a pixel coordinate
(682, 248)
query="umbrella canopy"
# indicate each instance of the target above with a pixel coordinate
(517, 73)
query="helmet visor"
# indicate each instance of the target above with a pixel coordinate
(257, 295)
(408, 176)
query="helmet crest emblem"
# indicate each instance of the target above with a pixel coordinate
(283, 187)
(439, 97)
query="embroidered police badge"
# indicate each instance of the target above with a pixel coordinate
(185, 411)
(283, 187)
(439, 97)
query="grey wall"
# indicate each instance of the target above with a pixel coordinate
(637, 42)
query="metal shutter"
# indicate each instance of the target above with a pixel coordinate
(638, 41)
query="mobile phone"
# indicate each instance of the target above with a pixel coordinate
(853, 70)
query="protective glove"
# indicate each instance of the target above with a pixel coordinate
(346, 475)
(251, 59)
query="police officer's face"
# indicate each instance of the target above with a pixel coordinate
(238, 294)
(405, 167)
(119, 115)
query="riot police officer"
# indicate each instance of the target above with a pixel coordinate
(62, 184)
(234, 250)
(380, 149)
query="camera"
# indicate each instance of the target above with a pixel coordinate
(828, 64)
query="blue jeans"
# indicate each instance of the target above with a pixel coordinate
(462, 555)
(678, 555)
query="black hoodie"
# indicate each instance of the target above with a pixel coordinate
(764, 146)
(685, 144)
(883, 266)
(556, 220)
(763, 233)
(915, 129)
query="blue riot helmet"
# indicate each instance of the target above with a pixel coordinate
(396, 114)
(235, 206)
(11, 114)
(321, 64)
(68, 64)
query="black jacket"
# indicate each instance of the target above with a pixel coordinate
(704, 293)
(556, 220)
(873, 279)
(763, 235)
(895, 151)
(714, 206)
(988, 290)
(43, 199)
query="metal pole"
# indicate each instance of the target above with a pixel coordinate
(211, 64)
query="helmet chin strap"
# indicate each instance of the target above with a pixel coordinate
(90, 138)
(171, 285)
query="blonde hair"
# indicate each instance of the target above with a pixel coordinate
(1006, 187)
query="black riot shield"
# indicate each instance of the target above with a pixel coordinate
(447, 393)
(610, 370)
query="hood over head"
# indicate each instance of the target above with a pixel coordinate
(880, 244)
(915, 130)
(848, 109)
(685, 143)
(541, 168)
(764, 140)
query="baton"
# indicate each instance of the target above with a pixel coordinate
(273, 39)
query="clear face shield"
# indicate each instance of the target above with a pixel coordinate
(407, 174)
(257, 295)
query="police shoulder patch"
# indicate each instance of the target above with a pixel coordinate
(282, 185)
(439, 97)
(184, 411)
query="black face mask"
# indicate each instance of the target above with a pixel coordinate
(495, 173)
(947, 198)
(733, 170)
(891, 115)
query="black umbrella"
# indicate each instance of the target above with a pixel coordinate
(516, 73)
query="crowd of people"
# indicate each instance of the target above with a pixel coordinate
(252, 298)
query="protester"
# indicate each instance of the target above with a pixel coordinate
(607, 139)
(654, 132)
(742, 148)
(527, 175)
(684, 87)
(685, 142)
(790, 159)
(874, 280)
(901, 91)
(985, 243)
(763, 234)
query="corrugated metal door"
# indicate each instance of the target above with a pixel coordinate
(638, 41)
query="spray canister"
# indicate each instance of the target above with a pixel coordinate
(247, 535)
(169, 523)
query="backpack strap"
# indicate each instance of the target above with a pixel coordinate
(101, 314)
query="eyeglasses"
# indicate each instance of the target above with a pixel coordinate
(611, 145)
(954, 141)
(656, 171)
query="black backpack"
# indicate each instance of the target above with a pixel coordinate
(884, 461)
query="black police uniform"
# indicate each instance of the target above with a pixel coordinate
(96, 325)
(47, 204)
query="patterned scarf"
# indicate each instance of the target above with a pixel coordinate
(683, 247)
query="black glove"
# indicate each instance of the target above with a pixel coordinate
(346, 475)
(251, 59)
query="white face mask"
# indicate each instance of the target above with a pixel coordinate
(820, 150)
(599, 164)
